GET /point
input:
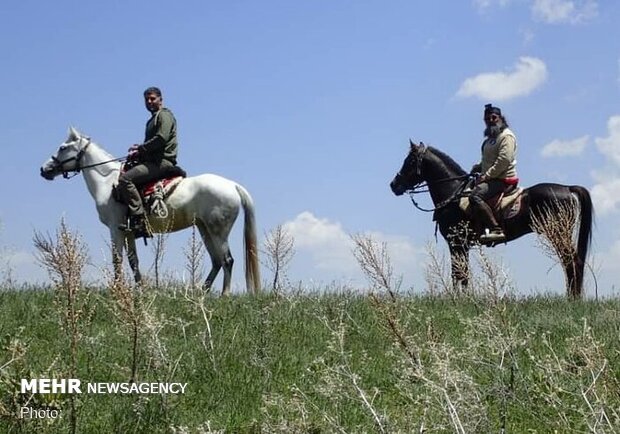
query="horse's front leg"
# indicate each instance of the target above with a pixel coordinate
(459, 256)
(132, 256)
(117, 260)
(119, 242)
(118, 247)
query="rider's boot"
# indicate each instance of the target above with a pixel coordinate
(137, 225)
(494, 233)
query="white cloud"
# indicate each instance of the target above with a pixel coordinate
(13, 258)
(610, 145)
(565, 148)
(606, 194)
(612, 258)
(483, 5)
(564, 11)
(528, 35)
(326, 241)
(21, 266)
(529, 73)
(330, 247)
(606, 191)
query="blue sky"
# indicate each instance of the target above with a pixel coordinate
(310, 105)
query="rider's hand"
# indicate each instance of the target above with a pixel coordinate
(134, 150)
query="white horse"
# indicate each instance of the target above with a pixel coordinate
(209, 201)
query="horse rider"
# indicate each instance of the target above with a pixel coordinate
(497, 170)
(149, 161)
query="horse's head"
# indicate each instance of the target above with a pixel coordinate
(67, 157)
(410, 174)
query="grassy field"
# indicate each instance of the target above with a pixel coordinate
(332, 362)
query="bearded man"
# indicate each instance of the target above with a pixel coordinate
(498, 171)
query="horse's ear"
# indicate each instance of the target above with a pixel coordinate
(73, 134)
(411, 144)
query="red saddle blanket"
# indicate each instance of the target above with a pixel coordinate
(149, 188)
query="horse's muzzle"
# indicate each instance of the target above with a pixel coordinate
(397, 188)
(47, 174)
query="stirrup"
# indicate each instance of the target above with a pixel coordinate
(495, 236)
(137, 225)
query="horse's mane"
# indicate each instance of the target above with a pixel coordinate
(104, 153)
(448, 162)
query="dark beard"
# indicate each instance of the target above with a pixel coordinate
(492, 131)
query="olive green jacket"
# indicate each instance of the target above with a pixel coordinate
(160, 138)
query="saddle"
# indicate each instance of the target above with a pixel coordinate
(154, 193)
(505, 205)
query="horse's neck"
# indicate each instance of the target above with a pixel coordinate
(99, 178)
(442, 180)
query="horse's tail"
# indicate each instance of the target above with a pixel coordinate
(250, 243)
(584, 237)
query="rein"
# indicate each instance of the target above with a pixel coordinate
(423, 188)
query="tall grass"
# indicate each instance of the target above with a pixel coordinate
(328, 363)
(331, 361)
(64, 257)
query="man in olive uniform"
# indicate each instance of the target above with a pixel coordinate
(498, 171)
(153, 159)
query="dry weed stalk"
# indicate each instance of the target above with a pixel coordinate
(8, 273)
(490, 278)
(579, 387)
(128, 310)
(343, 372)
(444, 397)
(376, 265)
(492, 342)
(199, 302)
(159, 362)
(279, 250)
(450, 397)
(13, 367)
(437, 273)
(555, 226)
(159, 250)
(335, 381)
(64, 258)
(375, 262)
(194, 253)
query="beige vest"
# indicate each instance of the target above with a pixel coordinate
(499, 156)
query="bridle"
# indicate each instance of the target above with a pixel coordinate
(423, 187)
(77, 158)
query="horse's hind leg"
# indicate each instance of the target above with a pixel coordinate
(571, 271)
(215, 269)
(215, 231)
(215, 263)
(219, 258)
(228, 266)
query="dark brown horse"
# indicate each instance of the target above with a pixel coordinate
(446, 180)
